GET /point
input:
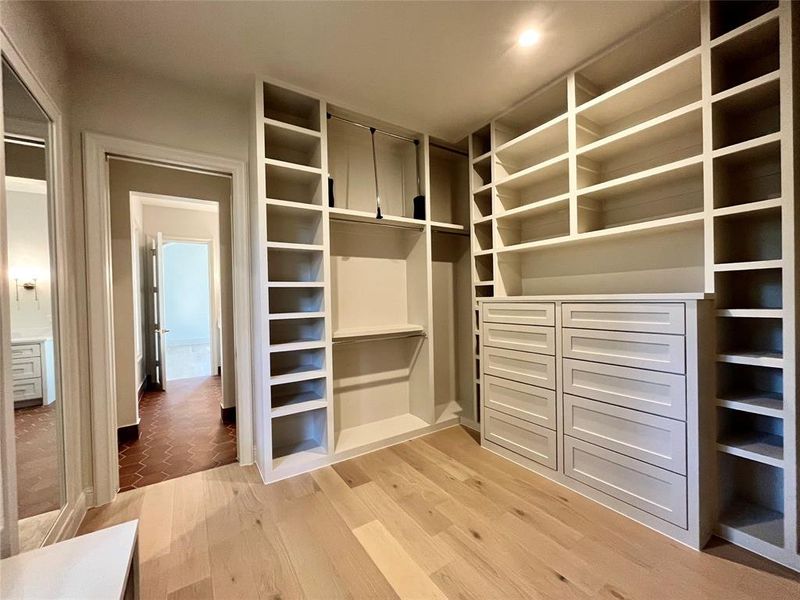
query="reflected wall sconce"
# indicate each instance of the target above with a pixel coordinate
(27, 281)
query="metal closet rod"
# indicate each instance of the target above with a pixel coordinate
(389, 133)
(381, 337)
(23, 141)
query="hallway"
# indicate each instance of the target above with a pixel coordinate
(181, 432)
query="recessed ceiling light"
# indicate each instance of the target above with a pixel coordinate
(528, 38)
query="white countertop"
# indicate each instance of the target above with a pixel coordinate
(680, 297)
(90, 566)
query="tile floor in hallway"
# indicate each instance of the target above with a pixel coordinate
(38, 479)
(180, 432)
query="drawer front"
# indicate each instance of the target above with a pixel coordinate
(527, 338)
(641, 350)
(526, 439)
(526, 402)
(26, 368)
(643, 318)
(653, 490)
(655, 440)
(25, 350)
(28, 389)
(520, 313)
(525, 367)
(657, 393)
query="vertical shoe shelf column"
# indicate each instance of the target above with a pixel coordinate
(754, 274)
(292, 230)
(481, 163)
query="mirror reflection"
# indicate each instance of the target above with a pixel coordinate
(37, 413)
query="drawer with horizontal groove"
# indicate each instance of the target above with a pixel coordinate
(525, 367)
(657, 491)
(520, 313)
(26, 368)
(642, 318)
(526, 402)
(25, 350)
(652, 439)
(649, 391)
(528, 338)
(26, 389)
(654, 351)
(526, 439)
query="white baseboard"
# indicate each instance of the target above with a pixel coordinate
(66, 526)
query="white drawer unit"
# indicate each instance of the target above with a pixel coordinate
(26, 389)
(526, 402)
(652, 439)
(526, 439)
(520, 313)
(654, 490)
(524, 367)
(26, 368)
(25, 350)
(653, 351)
(526, 338)
(642, 318)
(649, 391)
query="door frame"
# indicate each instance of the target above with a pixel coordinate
(96, 148)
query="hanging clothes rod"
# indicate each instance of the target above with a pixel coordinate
(24, 141)
(385, 336)
(382, 223)
(449, 149)
(370, 128)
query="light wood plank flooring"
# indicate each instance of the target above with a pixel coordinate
(437, 517)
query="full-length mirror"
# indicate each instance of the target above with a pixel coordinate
(34, 332)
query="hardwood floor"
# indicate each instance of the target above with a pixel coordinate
(436, 517)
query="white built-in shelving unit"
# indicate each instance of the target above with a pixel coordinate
(667, 165)
(363, 328)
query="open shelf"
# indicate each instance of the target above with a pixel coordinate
(482, 204)
(481, 142)
(657, 92)
(757, 390)
(543, 181)
(753, 521)
(297, 331)
(291, 107)
(301, 396)
(537, 226)
(297, 298)
(670, 36)
(351, 438)
(358, 216)
(483, 268)
(293, 184)
(751, 175)
(542, 107)
(536, 146)
(292, 225)
(292, 145)
(299, 438)
(751, 114)
(295, 264)
(745, 57)
(750, 287)
(748, 237)
(666, 139)
(482, 238)
(287, 367)
(449, 187)
(751, 436)
(729, 15)
(481, 173)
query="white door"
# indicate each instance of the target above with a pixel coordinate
(156, 302)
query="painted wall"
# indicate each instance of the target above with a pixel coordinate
(126, 177)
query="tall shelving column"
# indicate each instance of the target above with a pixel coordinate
(292, 245)
(754, 273)
(481, 166)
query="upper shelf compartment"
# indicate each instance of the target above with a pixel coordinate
(729, 15)
(752, 54)
(532, 113)
(291, 144)
(291, 107)
(671, 36)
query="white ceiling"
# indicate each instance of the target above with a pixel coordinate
(440, 67)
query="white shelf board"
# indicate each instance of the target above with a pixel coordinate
(292, 346)
(302, 373)
(532, 142)
(656, 175)
(758, 403)
(543, 171)
(449, 227)
(362, 435)
(298, 455)
(748, 145)
(484, 283)
(479, 220)
(742, 88)
(748, 207)
(293, 205)
(754, 24)
(298, 171)
(761, 447)
(295, 247)
(297, 315)
(486, 252)
(535, 208)
(752, 265)
(751, 313)
(752, 521)
(680, 74)
(647, 134)
(756, 359)
(296, 284)
(370, 332)
(482, 157)
(360, 216)
(303, 402)
(482, 188)
(293, 128)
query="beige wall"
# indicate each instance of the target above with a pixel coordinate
(126, 177)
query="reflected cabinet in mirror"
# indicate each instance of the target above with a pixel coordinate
(33, 315)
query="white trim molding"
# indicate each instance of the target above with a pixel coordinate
(96, 147)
